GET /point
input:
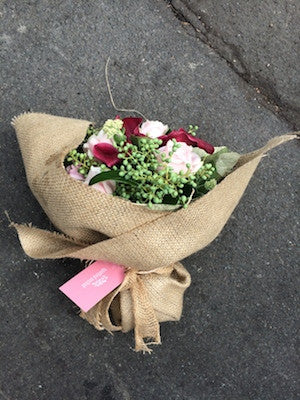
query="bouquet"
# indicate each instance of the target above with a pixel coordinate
(161, 195)
(147, 163)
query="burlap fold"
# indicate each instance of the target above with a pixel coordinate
(100, 226)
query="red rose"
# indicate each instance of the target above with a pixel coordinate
(182, 136)
(106, 153)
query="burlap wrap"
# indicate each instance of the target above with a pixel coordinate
(98, 226)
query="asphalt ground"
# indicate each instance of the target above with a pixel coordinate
(237, 336)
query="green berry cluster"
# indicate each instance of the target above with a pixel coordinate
(155, 182)
(82, 160)
(206, 179)
(193, 129)
(79, 158)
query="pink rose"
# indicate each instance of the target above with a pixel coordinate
(72, 170)
(96, 139)
(153, 129)
(182, 156)
(104, 187)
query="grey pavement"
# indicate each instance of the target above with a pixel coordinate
(237, 336)
(258, 39)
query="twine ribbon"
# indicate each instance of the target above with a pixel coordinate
(145, 321)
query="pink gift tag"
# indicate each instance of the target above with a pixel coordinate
(93, 283)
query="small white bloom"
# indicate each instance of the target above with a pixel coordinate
(112, 127)
(153, 129)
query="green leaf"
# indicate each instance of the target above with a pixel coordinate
(221, 149)
(212, 158)
(111, 175)
(225, 162)
(200, 152)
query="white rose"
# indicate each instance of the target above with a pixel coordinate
(153, 129)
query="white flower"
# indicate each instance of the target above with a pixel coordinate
(153, 129)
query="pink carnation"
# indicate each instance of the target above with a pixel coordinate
(182, 156)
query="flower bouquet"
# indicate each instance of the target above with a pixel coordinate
(147, 163)
(161, 195)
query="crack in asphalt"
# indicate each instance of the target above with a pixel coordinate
(198, 27)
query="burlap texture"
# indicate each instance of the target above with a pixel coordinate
(99, 226)
(142, 301)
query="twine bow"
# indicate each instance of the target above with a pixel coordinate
(143, 316)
